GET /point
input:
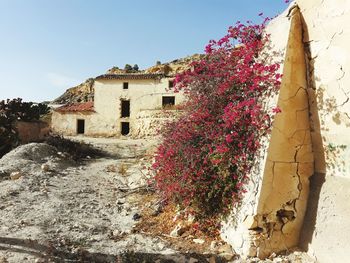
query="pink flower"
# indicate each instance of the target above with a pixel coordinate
(228, 138)
(276, 110)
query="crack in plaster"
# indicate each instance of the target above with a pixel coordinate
(293, 96)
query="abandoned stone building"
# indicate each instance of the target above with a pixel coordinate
(121, 103)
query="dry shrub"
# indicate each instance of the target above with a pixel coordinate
(76, 150)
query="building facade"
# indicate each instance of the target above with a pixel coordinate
(118, 101)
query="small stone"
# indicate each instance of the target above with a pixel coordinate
(191, 218)
(45, 167)
(116, 233)
(279, 260)
(272, 256)
(227, 256)
(121, 201)
(252, 252)
(124, 213)
(226, 248)
(15, 175)
(198, 241)
(136, 216)
(213, 245)
(176, 230)
(193, 260)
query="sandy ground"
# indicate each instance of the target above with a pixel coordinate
(57, 210)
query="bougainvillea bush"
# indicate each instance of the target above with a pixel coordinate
(207, 154)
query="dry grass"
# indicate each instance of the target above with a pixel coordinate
(122, 170)
(162, 224)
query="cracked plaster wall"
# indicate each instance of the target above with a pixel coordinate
(326, 228)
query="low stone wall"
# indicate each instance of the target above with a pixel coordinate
(149, 122)
(33, 131)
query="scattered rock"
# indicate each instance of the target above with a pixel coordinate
(226, 248)
(45, 167)
(15, 175)
(191, 218)
(227, 256)
(158, 208)
(198, 241)
(116, 233)
(214, 245)
(272, 256)
(136, 216)
(121, 201)
(176, 231)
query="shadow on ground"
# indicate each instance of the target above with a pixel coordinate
(49, 253)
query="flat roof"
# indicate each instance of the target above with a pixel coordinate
(131, 76)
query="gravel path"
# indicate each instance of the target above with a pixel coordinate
(59, 211)
(55, 210)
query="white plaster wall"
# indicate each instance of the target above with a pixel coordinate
(327, 224)
(328, 34)
(143, 95)
(66, 123)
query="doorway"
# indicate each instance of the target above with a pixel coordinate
(125, 128)
(80, 126)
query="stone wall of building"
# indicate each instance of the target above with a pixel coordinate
(144, 95)
(33, 131)
(66, 123)
(148, 123)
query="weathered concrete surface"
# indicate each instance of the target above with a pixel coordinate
(290, 163)
(235, 230)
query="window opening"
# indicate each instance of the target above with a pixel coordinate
(168, 101)
(125, 108)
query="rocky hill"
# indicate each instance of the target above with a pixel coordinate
(84, 92)
(81, 93)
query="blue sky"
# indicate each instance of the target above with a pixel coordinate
(47, 46)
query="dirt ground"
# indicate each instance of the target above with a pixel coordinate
(53, 209)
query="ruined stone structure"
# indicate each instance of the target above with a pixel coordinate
(299, 190)
(121, 102)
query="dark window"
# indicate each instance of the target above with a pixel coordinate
(125, 128)
(168, 101)
(125, 85)
(125, 108)
(171, 83)
(80, 126)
